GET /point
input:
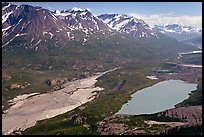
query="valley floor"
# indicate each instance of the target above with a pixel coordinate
(28, 109)
(94, 119)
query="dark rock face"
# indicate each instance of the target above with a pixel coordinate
(5, 76)
(119, 86)
(78, 119)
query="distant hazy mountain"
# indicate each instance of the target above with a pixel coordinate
(128, 24)
(179, 32)
(177, 29)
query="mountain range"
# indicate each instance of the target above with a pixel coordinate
(181, 33)
(175, 28)
(39, 24)
(128, 24)
(34, 35)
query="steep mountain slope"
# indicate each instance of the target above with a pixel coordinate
(34, 25)
(128, 24)
(195, 41)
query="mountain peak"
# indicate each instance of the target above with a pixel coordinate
(172, 26)
(67, 12)
(76, 9)
(25, 21)
(128, 24)
(83, 19)
(5, 5)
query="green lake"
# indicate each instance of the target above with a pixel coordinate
(159, 97)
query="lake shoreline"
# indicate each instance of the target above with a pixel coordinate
(138, 105)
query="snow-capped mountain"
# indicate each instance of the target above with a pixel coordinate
(175, 28)
(82, 19)
(37, 38)
(181, 33)
(36, 26)
(128, 24)
(33, 24)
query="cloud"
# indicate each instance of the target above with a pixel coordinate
(164, 19)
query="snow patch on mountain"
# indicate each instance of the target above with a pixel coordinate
(3, 30)
(54, 17)
(76, 9)
(84, 41)
(128, 24)
(58, 13)
(51, 35)
(6, 16)
(32, 40)
(81, 19)
(22, 34)
(37, 42)
(3, 8)
(68, 34)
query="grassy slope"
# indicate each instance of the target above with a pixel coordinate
(100, 49)
(192, 59)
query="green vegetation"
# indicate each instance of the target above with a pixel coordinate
(96, 54)
(195, 97)
(137, 58)
(192, 59)
(194, 130)
(106, 104)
